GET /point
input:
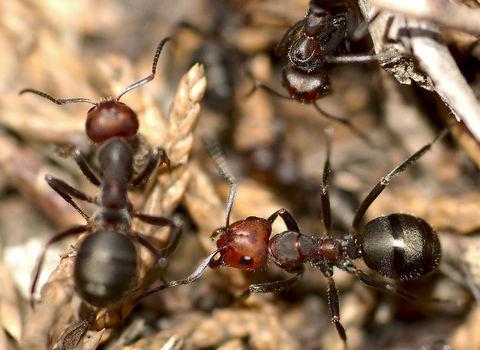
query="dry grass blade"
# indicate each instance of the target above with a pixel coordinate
(184, 112)
(10, 315)
(442, 12)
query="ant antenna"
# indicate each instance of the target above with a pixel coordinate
(215, 152)
(149, 77)
(58, 101)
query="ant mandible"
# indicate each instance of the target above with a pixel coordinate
(312, 43)
(397, 246)
(105, 267)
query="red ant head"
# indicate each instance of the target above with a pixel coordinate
(244, 244)
(111, 118)
(305, 87)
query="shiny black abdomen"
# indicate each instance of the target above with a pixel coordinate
(400, 246)
(105, 268)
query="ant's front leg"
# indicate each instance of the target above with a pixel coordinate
(288, 219)
(269, 287)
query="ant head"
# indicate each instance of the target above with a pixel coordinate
(111, 118)
(316, 21)
(400, 246)
(105, 267)
(305, 87)
(244, 245)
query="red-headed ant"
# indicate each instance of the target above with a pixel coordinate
(397, 246)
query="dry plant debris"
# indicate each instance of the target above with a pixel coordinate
(276, 148)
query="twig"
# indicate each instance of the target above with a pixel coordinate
(425, 44)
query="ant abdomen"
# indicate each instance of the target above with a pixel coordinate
(105, 268)
(244, 243)
(400, 246)
(305, 87)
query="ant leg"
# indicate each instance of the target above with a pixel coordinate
(325, 197)
(142, 239)
(190, 279)
(287, 217)
(381, 284)
(275, 286)
(362, 29)
(334, 304)
(385, 181)
(85, 167)
(355, 58)
(149, 77)
(259, 85)
(174, 236)
(156, 220)
(157, 158)
(67, 192)
(58, 237)
(345, 122)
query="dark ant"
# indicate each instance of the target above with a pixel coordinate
(397, 246)
(105, 268)
(312, 43)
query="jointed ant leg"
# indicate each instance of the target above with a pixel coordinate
(85, 167)
(334, 305)
(156, 159)
(355, 58)
(172, 241)
(382, 284)
(385, 181)
(58, 237)
(362, 28)
(175, 233)
(345, 122)
(67, 192)
(259, 85)
(275, 286)
(287, 217)
(325, 198)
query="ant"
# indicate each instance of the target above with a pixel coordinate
(312, 43)
(105, 267)
(397, 246)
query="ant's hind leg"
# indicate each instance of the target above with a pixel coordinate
(334, 305)
(72, 231)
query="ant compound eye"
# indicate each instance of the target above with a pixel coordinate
(246, 260)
